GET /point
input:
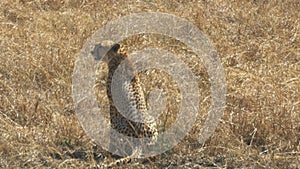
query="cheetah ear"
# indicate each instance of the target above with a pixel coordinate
(115, 47)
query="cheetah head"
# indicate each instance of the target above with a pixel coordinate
(105, 50)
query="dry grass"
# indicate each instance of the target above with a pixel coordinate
(258, 42)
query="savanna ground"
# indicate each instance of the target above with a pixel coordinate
(258, 44)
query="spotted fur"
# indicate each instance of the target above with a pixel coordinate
(136, 123)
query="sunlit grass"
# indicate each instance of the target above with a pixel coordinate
(258, 43)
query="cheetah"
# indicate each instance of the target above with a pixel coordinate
(110, 53)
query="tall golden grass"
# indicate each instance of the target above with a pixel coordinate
(258, 43)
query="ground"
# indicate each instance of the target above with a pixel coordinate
(258, 44)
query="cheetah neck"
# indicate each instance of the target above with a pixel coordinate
(113, 65)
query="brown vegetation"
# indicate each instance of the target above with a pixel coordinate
(258, 43)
